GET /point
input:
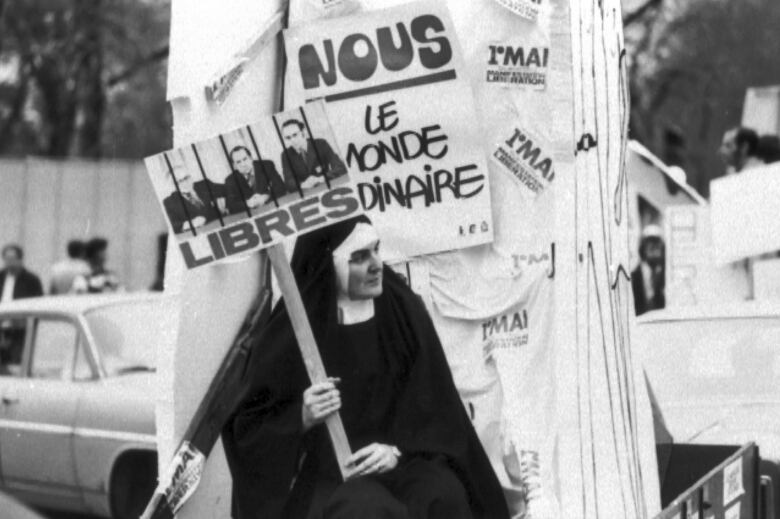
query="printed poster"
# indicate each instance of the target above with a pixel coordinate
(732, 481)
(517, 63)
(525, 157)
(733, 512)
(745, 206)
(254, 186)
(406, 122)
(526, 8)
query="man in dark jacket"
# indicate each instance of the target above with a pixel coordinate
(252, 182)
(648, 279)
(307, 162)
(16, 282)
(192, 204)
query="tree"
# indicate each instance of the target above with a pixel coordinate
(70, 71)
(691, 62)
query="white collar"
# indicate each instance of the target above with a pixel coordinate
(353, 311)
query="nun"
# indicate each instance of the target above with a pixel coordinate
(415, 453)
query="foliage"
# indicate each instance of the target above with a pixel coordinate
(83, 77)
(691, 62)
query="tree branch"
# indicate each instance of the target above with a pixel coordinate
(157, 55)
(15, 113)
(637, 13)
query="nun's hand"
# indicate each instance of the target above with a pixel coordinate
(376, 458)
(320, 401)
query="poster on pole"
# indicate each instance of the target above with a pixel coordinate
(406, 122)
(254, 186)
(744, 214)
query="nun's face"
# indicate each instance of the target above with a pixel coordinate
(365, 273)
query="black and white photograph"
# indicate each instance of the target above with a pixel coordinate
(273, 174)
(389, 259)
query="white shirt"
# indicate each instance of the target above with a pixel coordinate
(8, 288)
(647, 280)
(752, 162)
(63, 274)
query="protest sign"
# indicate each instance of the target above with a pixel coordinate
(692, 276)
(250, 188)
(744, 214)
(406, 121)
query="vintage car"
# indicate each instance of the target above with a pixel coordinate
(715, 373)
(77, 395)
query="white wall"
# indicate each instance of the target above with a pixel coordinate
(45, 203)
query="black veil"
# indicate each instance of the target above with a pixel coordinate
(264, 440)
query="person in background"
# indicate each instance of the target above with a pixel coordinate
(16, 282)
(768, 148)
(647, 279)
(99, 279)
(738, 150)
(65, 271)
(307, 162)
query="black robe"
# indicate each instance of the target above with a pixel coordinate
(264, 441)
(642, 303)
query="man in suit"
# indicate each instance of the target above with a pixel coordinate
(647, 279)
(192, 205)
(252, 182)
(208, 190)
(307, 162)
(16, 282)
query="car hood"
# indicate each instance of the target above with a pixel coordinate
(727, 422)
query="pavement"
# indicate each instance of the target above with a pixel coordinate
(11, 508)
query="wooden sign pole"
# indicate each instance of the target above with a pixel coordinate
(308, 346)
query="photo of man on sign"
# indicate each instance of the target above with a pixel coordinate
(192, 204)
(306, 161)
(252, 182)
(224, 196)
(414, 451)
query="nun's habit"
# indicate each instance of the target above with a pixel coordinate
(396, 389)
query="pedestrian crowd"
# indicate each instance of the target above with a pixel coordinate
(83, 271)
(741, 149)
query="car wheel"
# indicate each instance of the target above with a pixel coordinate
(133, 481)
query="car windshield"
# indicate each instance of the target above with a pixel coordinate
(126, 335)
